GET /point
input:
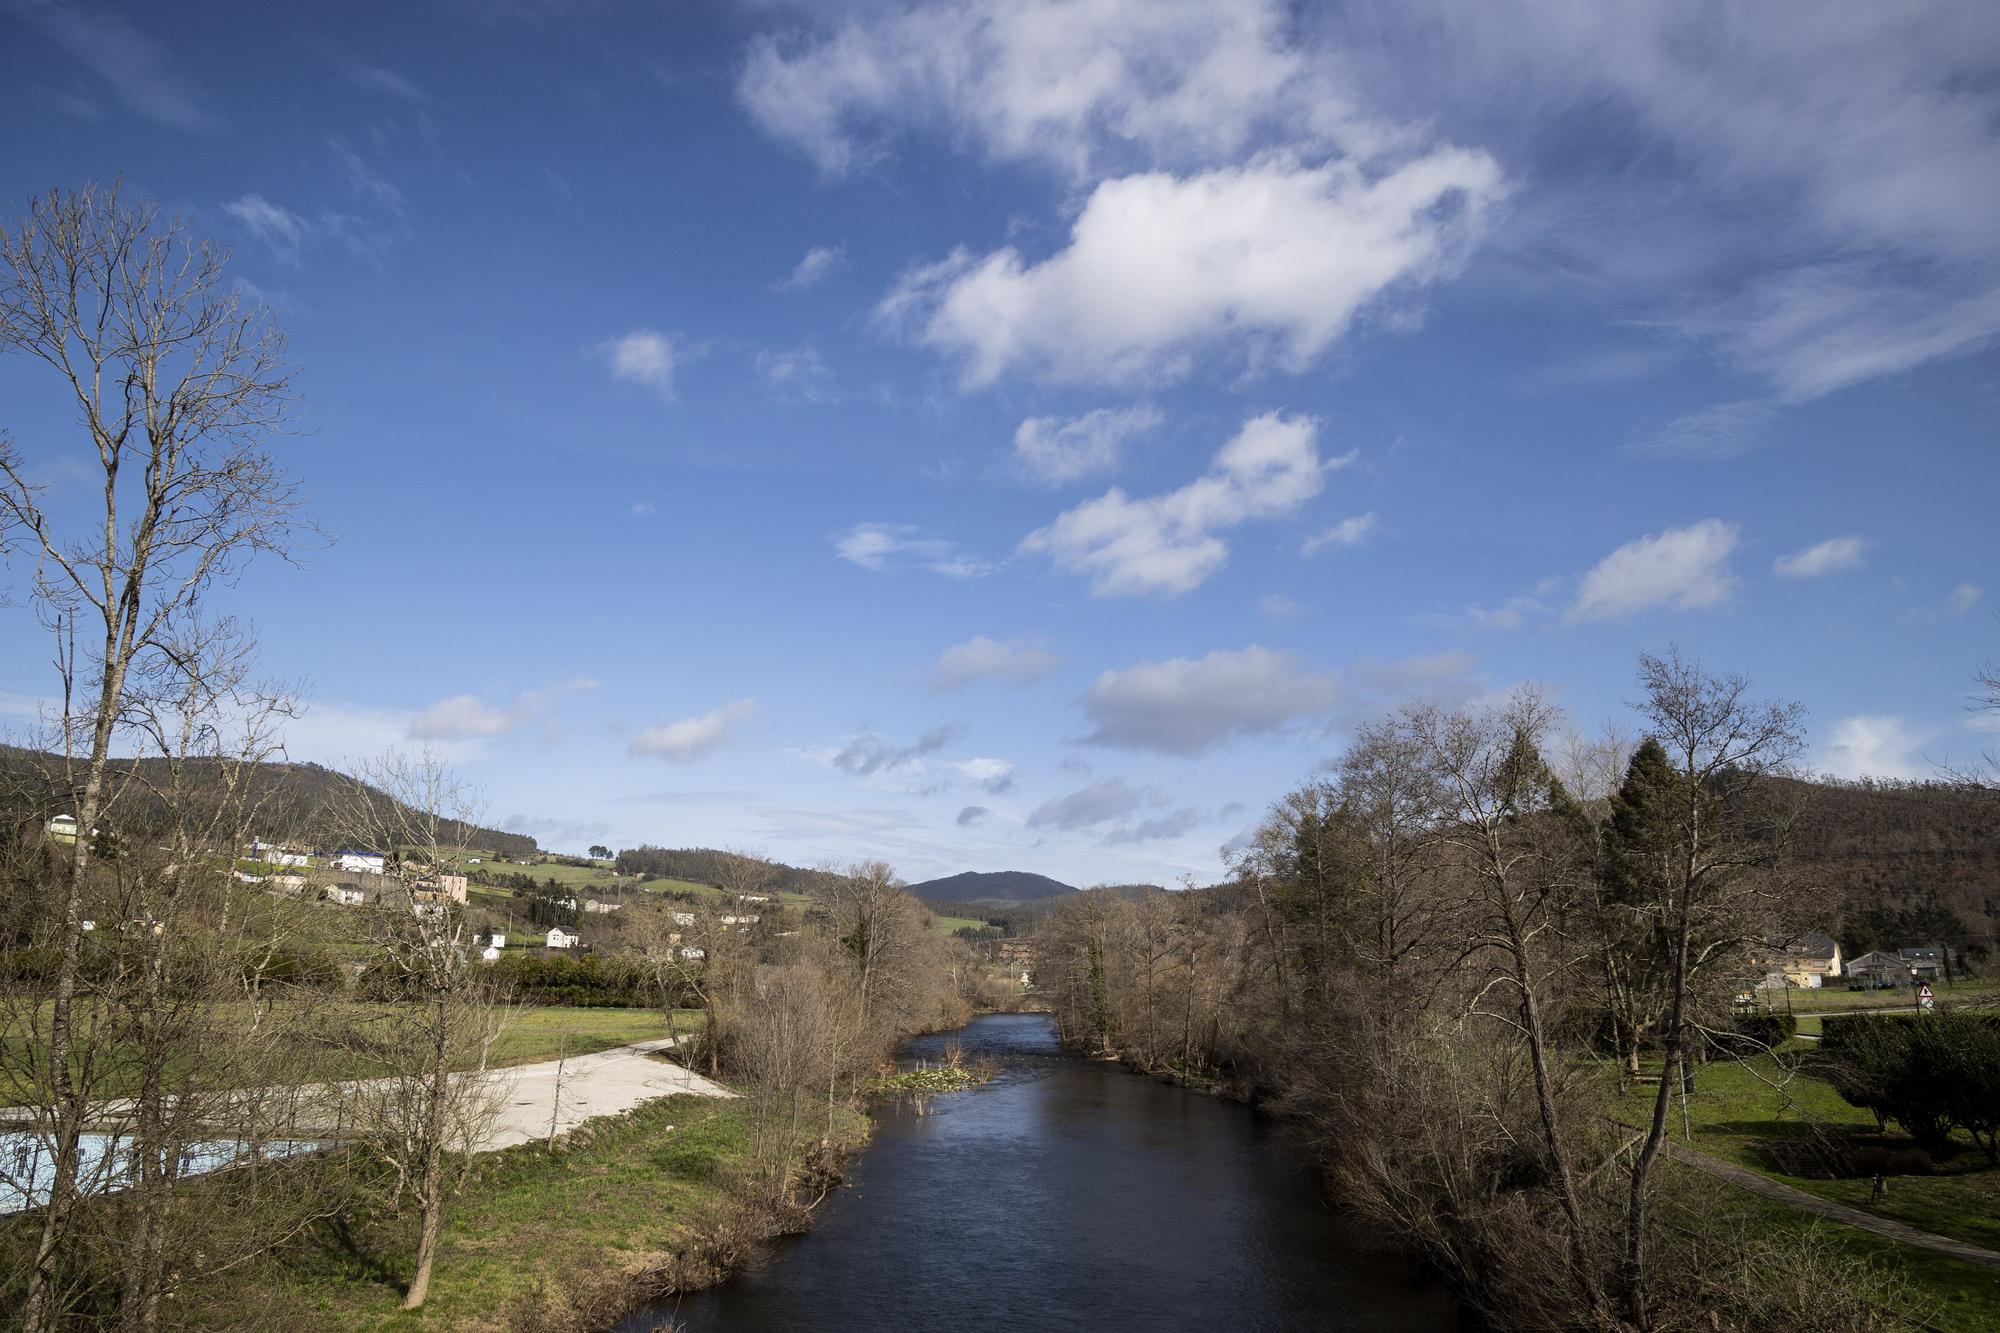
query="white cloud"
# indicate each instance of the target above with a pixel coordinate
(366, 181)
(1071, 85)
(1278, 606)
(275, 225)
(1187, 706)
(882, 547)
(817, 263)
(691, 738)
(642, 509)
(1722, 431)
(1873, 746)
(465, 716)
(1849, 163)
(1166, 544)
(1827, 557)
(1347, 532)
(1275, 258)
(1956, 603)
(1687, 568)
(132, 65)
(799, 373)
(1022, 661)
(643, 356)
(1057, 450)
(993, 776)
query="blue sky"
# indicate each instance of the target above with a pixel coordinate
(1018, 434)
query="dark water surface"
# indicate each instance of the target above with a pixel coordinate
(1067, 1194)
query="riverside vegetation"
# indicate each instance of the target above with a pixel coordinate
(1490, 978)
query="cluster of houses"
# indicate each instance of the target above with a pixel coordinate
(1812, 961)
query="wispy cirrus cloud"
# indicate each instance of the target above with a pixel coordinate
(817, 264)
(1827, 557)
(1054, 451)
(1347, 532)
(134, 67)
(882, 548)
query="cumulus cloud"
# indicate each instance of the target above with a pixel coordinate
(1167, 544)
(882, 547)
(691, 738)
(1875, 746)
(992, 776)
(1021, 661)
(1956, 603)
(1276, 258)
(1687, 568)
(466, 716)
(1347, 532)
(1827, 557)
(645, 357)
(1073, 86)
(1054, 451)
(1187, 706)
(816, 264)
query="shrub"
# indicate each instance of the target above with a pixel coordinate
(1929, 1073)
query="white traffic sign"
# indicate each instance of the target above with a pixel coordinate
(1924, 998)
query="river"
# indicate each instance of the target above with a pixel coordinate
(1068, 1194)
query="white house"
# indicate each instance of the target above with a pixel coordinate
(351, 862)
(563, 939)
(592, 905)
(684, 918)
(270, 853)
(749, 920)
(490, 954)
(63, 828)
(497, 940)
(344, 895)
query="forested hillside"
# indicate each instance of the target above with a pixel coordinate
(1906, 862)
(289, 802)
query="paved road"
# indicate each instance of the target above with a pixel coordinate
(1827, 1208)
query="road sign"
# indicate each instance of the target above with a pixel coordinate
(1925, 1000)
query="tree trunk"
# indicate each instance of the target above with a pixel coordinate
(430, 1189)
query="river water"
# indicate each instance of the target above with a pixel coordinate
(1069, 1194)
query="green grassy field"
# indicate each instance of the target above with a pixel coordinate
(1836, 997)
(1753, 1114)
(532, 1034)
(948, 924)
(532, 1226)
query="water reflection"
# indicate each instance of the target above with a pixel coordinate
(1066, 1194)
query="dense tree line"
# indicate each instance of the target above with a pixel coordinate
(1445, 960)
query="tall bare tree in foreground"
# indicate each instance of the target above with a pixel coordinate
(178, 387)
(431, 1112)
(1715, 836)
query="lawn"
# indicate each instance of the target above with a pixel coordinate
(1753, 1114)
(619, 1196)
(533, 1033)
(1835, 997)
(948, 924)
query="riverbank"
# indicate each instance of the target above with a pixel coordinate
(623, 1211)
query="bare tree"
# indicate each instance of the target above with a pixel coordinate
(426, 1118)
(1720, 835)
(178, 387)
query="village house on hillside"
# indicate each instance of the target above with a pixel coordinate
(558, 938)
(352, 861)
(1804, 961)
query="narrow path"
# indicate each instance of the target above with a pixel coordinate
(1827, 1208)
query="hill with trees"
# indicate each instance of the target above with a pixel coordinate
(991, 887)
